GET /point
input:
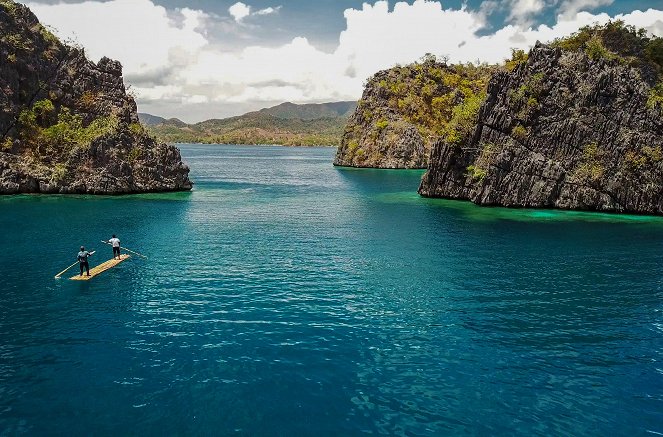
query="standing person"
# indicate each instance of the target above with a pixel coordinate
(82, 260)
(115, 242)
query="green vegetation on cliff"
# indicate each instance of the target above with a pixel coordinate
(420, 103)
(628, 45)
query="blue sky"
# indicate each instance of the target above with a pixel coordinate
(201, 59)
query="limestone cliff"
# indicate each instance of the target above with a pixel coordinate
(578, 125)
(403, 111)
(67, 125)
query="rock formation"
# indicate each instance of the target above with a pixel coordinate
(67, 125)
(578, 125)
(403, 110)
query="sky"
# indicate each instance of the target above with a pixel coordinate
(202, 59)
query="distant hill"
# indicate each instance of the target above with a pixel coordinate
(154, 120)
(311, 111)
(286, 124)
(149, 119)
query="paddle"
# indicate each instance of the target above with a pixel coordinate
(135, 253)
(60, 274)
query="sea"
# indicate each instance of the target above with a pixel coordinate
(284, 296)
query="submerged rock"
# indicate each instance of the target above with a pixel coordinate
(67, 125)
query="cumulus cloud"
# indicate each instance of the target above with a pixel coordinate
(569, 8)
(148, 39)
(267, 11)
(523, 11)
(178, 71)
(239, 11)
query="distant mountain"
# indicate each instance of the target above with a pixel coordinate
(311, 111)
(286, 124)
(154, 120)
(149, 119)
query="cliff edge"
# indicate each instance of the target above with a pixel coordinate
(577, 125)
(67, 124)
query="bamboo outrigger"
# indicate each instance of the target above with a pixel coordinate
(100, 268)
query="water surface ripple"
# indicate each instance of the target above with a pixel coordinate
(284, 296)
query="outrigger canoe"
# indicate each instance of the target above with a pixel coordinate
(100, 268)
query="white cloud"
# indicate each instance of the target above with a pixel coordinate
(177, 71)
(522, 11)
(142, 35)
(267, 11)
(239, 11)
(569, 8)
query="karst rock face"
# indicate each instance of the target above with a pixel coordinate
(405, 109)
(563, 130)
(377, 134)
(67, 125)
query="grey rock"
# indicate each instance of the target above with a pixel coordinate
(35, 67)
(560, 131)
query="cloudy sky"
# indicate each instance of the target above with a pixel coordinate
(200, 59)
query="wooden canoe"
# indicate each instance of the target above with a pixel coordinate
(100, 268)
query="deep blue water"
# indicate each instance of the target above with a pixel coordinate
(284, 296)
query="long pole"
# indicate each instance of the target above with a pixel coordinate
(60, 274)
(135, 253)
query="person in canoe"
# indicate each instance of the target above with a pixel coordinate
(115, 242)
(82, 260)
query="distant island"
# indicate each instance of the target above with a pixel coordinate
(67, 124)
(287, 124)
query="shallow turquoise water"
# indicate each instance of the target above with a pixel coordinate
(284, 296)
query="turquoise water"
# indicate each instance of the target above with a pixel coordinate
(284, 296)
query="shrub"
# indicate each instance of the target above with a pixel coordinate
(48, 35)
(137, 129)
(591, 167)
(464, 118)
(519, 133)
(476, 173)
(634, 161)
(134, 154)
(381, 124)
(9, 6)
(6, 145)
(596, 50)
(88, 100)
(616, 40)
(517, 57)
(655, 95)
(17, 42)
(653, 153)
(59, 173)
(44, 112)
